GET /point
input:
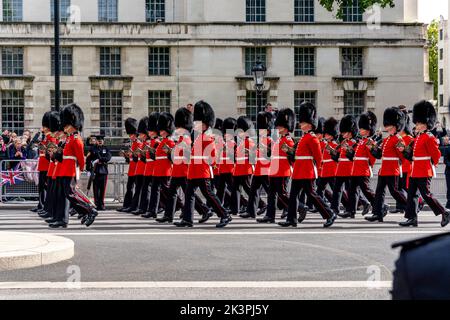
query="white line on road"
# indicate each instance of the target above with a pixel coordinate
(196, 284)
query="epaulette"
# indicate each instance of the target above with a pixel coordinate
(410, 245)
(430, 134)
(313, 134)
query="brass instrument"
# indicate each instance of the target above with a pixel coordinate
(287, 149)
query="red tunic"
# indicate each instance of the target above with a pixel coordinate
(329, 166)
(307, 155)
(162, 165)
(345, 165)
(133, 164)
(226, 161)
(140, 166)
(152, 143)
(203, 156)
(179, 159)
(73, 155)
(219, 146)
(426, 155)
(262, 167)
(406, 164)
(391, 158)
(363, 160)
(242, 166)
(280, 166)
(43, 163)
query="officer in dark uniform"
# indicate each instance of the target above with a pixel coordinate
(100, 169)
(423, 269)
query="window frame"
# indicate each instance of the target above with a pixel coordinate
(112, 118)
(16, 5)
(251, 55)
(353, 12)
(356, 109)
(255, 11)
(6, 65)
(158, 8)
(303, 11)
(17, 121)
(299, 97)
(165, 101)
(108, 10)
(157, 66)
(111, 66)
(348, 67)
(303, 67)
(64, 12)
(66, 65)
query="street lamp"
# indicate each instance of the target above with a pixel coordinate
(259, 76)
(57, 57)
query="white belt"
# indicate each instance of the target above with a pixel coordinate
(262, 159)
(225, 159)
(149, 160)
(344, 160)
(421, 158)
(179, 158)
(360, 159)
(69, 158)
(42, 155)
(161, 158)
(279, 158)
(327, 161)
(390, 159)
(304, 158)
(241, 159)
(199, 158)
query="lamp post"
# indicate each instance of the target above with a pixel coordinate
(56, 53)
(259, 76)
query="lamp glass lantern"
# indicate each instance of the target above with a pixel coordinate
(259, 74)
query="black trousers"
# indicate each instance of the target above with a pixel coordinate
(306, 185)
(171, 204)
(160, 189)
(42, 188)
(363, 184)
(402, 186)
(205, 187)
(67, 197)
(129, 192)
(145, 191)
(447, 180)
(322, 190)
(422, 185)
(239, 183)
(277, 193)
(339, 194)
(50, 199)
(392, 183)
(224, 190)
(137, 192)
(258, 183)
(99, 186)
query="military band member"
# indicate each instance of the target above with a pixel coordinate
(425, 156)
(280, 166)
(131, 125)
(100, 169)
(307, 155)
(394, 121)
(203, 157)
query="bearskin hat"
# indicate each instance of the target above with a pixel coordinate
(46, 119)
(408, 125)
(143, 125)
(368, 121)
(54, 121)
(320, 124)
(244, 124)
(228, 125)
(72, 115)
(184, 119)
(219, 124)
(264, 120)
(286, 119)
(131, 126)
(166, 123)
(204, 112)
(424, 112)
(308, 113)
(394, 117)
(348, 124)
(330, 127)
(153, 122)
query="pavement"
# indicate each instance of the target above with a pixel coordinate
(126, 257)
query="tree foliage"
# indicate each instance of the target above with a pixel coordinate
(330, 5)
(433, 39)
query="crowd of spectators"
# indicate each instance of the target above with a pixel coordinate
(15, 148)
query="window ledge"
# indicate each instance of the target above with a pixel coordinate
(251, 78)
(361, 78)
(27, 77)
(123, 78)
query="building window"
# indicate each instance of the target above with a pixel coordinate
(305, 61)
(111, 113)
(441, 54)
(441, 77)
(159, 61)
(159, 101)
(155, 10)
(304, 10)
(441, 34)
(256, 11)
(441, 100)
(352, 61)
(110, 61)
(65, 56)
(12, 109)
(354, 102)
(299, 98)
(12, 61)
(66, 97)
(352, 12)
(12, 10)
(64, 10)
(252, 104)
(107, 10)
(251, 56)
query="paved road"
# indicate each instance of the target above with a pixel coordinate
(122, 256)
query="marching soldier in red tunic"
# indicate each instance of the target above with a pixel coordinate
(280, 167)
(394, 122)
(363, 162)
(307, 156)
(203, 156)
(72, 119)
(131, 125)
(425, 156)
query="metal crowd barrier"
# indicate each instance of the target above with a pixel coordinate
(27, 190)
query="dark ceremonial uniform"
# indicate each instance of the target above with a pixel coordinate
(43, 164)
(132, 160)
(327, 172)
(148, 173)
(138, 176)
(100, 169)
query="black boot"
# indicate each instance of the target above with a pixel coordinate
(330, 221)
(301, 214)
(138, 212)
(58, 224)
(183, 224)
(288, 224)
(247, 216)
(261, 211)
(164, 220)
(445, 219)
(409, 223)
(367, 209)
(149, 215)
(375, 218)
(224, 222)
(265, 219)
(347, 215)
(206, 217)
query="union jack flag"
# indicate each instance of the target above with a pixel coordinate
(11, 177)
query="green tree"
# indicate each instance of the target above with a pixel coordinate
(433, 38)
(330, 5)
